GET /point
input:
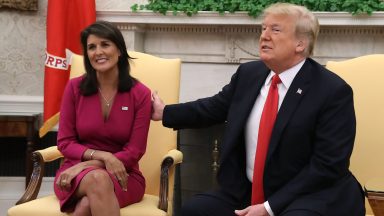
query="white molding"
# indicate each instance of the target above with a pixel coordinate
(237, 18)
(347, 19)
(13, 187)
(21, 105)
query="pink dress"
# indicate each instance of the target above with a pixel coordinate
(124, 134)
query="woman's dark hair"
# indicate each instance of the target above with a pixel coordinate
(106, 30)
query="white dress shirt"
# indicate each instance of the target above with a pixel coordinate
(252, 126)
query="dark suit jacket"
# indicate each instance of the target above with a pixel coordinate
(311, 144)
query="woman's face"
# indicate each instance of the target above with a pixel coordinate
(103, 54)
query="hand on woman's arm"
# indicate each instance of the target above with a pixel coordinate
(113, 165)
(65, 178)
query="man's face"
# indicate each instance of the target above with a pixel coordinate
(279, 47)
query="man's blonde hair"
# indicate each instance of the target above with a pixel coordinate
(307, 24)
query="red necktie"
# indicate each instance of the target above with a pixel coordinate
(267, 121)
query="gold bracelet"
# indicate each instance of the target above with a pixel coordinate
(91, 155)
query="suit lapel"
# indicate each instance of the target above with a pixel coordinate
(250, 90)
(251, 95)
(250, 85)
(295, 93)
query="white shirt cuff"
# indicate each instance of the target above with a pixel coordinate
(269, 210)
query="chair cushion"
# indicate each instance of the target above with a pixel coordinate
(147, 206)
(49, 206)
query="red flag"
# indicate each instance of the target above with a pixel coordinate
(65, 20)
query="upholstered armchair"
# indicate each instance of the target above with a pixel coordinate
(365, 74)
(157, 163)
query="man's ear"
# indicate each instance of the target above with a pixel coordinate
(300, 46)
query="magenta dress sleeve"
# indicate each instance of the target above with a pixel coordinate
(67, 141)
(135, 148)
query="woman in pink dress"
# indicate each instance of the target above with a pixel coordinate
(104, 122)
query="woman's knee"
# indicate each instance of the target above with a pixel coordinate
(97, 181)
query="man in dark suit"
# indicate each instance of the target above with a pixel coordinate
(305, 170)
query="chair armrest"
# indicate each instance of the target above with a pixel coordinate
(172, 158)
(175, 155)
(50, 154)
(374, 191)
(39, 158)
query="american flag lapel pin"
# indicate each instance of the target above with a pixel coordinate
(299, 91)
(124, 108)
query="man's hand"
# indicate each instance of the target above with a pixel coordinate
(254, 210)
(157, 107)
